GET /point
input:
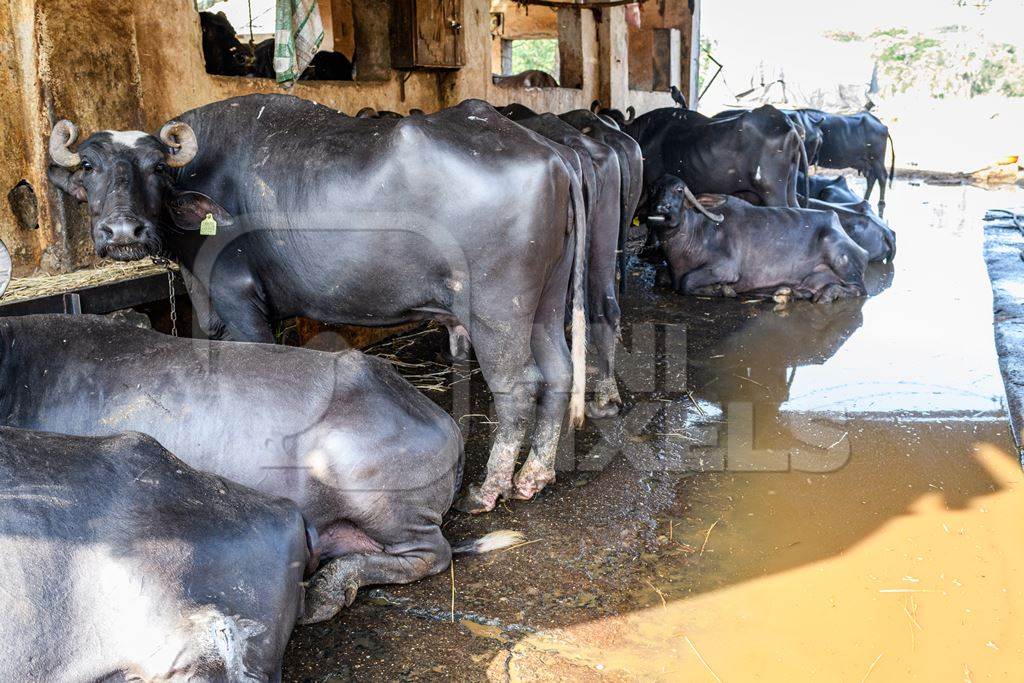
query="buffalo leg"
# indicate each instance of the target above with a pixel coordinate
(870, 186)
(334, 586)
(696, 280)
(552, 356)
(604, 331)
(513, 379)
(604, 317)
(883, 177)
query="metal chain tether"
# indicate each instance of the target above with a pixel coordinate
(170, 293)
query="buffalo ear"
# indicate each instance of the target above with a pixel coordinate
(711, 201)
(67, 181)
(188, 209)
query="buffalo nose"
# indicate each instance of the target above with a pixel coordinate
(122, 229)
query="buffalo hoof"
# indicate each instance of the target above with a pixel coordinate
(663, 278)
(599, 410)
(328, 593)
(728, 291)
(606, 401)
(531, 480)
(782, 295)
(476, 501)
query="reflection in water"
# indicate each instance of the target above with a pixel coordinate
(863, 515)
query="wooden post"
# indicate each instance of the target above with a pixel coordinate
(506, 56)
(373, 41)
(614, 60)
(570, 48)
(666, 55)
(691, 68)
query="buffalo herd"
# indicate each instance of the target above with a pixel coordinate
(188, 501)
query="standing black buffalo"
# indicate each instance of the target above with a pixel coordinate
(755, 155)
(602, 182)
(616, 115)
(120, 562)
(371, 462)
(809, 131)
(461, 216)
(855, 141)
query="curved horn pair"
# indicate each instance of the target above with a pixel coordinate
(178, 136)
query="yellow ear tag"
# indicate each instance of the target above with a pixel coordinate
(636, 221)
(209, 226)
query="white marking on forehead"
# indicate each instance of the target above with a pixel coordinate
(128, 138)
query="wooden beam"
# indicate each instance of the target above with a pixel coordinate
(570, 49)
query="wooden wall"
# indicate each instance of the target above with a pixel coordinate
(133, 64)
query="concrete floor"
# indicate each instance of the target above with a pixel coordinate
(820, 492)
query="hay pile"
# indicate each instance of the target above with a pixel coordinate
(37, 286)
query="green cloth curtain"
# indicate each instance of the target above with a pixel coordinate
(298, 32)
(297, 37)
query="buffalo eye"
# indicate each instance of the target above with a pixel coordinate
(86, 166)
(160, 168)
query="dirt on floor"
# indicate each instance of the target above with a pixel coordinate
(804, 492)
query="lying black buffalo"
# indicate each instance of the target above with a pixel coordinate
(531, 78)
(120, 562)
(855, 141)
(863, 227)
(461, 216)
(753, 249)
(602, 181)
(755, 155)
(855, 214)
(832, 189)
(371, 462)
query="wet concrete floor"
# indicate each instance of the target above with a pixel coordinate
(820, 492)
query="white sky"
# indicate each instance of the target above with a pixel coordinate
(787, 35)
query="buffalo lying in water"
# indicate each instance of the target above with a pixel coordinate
(747, 248)
(461, 216)
(120, 562)
(855, 215)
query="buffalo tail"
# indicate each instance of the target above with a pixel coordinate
(496, 540)
(892, 164)
(579, 320)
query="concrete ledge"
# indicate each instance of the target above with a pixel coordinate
(1003, 256)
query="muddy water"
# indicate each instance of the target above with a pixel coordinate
(816, 492)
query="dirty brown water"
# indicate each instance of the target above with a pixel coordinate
(819, 492)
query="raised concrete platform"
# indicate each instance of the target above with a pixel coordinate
(1004, 256)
